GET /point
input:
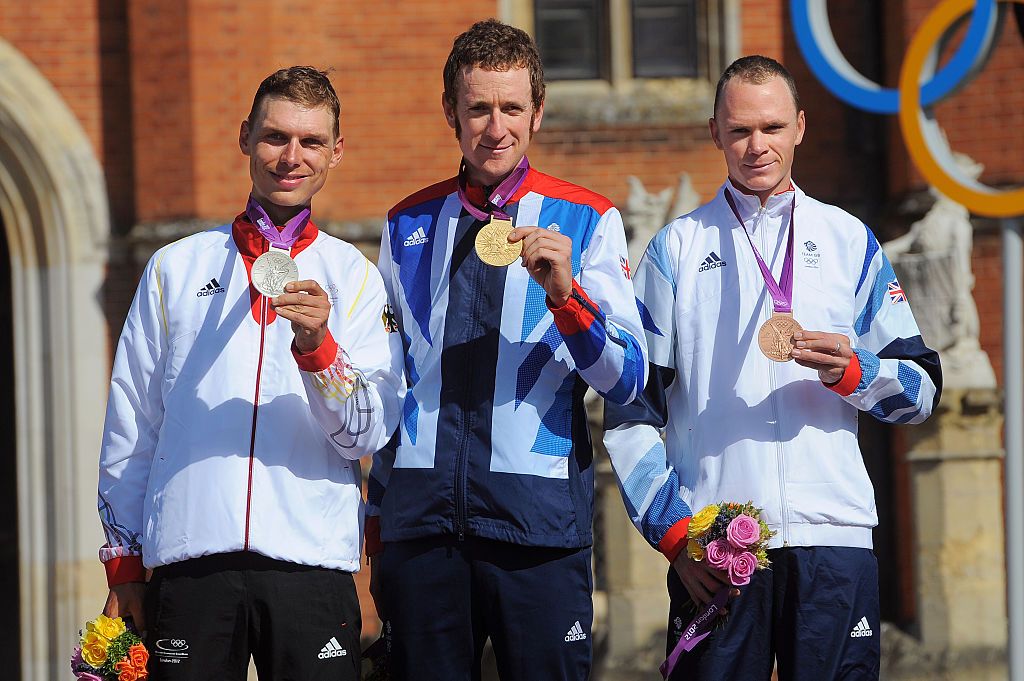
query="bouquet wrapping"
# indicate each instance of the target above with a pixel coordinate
(733, 538)
(109, 651)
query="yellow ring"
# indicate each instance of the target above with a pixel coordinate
(979, 199)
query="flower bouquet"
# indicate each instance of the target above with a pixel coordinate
(730, 537)
(109, 651)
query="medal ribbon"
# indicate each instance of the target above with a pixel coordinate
(499, 197)
(284, 238)
(696, 631)
(781, 291)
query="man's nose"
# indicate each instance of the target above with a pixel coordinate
(757, 144)
(495, 125)
(291, 152)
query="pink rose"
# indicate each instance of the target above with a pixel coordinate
(742, 566)
(86, 676)
(743, 531)
(719, 554)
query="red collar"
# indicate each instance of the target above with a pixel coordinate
(476, 194)
(251, 244)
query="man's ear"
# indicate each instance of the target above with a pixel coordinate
(338, 152)
(243, 137)
(713, 127)
(449, 112)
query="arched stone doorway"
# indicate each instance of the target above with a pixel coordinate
(53, 209)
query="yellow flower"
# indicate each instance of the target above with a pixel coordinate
(106, 627)
(701, 522)
(94, 649)
(695, 550)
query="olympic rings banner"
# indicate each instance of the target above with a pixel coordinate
(920, 88)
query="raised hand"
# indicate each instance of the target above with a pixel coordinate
(307, 307)
(828, 353)
(547, 256)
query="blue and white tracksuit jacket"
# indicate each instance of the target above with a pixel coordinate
(494, 442)
(739, 426)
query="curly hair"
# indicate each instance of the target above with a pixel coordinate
(300, 84)
(495, 46)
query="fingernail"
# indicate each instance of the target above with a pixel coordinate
(801, 344)
(798, 335)
(795, 353)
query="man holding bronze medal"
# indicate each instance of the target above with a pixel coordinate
(253, 371)
(484, 499)
(772, 321)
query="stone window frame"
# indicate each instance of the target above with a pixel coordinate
(623, 99)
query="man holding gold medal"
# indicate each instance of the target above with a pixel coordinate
(772, 320)
(512, 292)
(252, 373)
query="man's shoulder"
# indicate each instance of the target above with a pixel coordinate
(188, 246)
(563, 190)
(832, 215)
(435, 191)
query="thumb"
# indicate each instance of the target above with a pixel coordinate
(519, 233)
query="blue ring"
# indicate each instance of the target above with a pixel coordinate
(967, 59)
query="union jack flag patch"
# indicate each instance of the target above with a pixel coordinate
(624, 264)
(896, 294)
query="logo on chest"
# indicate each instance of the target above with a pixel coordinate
(212, 288)
(712, 262)
(811, 255)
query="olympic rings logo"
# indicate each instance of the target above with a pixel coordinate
(919, 89)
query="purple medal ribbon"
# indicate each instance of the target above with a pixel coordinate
(782, 292)
(696, 630)
(499, 197)
(287, 236)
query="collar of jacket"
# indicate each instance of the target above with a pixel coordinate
(251, 244)
(748, 205)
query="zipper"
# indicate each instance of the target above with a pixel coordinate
(780, 461)
(255, 413)
(461, 459)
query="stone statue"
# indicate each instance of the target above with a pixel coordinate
(933, 263)
(645, 213)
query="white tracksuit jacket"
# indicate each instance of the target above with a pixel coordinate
(217, 437)
(739, 426)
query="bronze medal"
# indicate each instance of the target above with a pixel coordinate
(492, 244)
(775, 337)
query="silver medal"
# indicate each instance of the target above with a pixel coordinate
(272, 271)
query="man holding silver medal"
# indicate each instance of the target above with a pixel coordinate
(483, 500)
(772, 320)
(229, 463)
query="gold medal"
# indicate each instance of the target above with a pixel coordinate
(775, 337)
(492, 244)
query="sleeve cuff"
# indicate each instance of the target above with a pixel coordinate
(124, 569)
(372, 530)
(578, 313)
(674, 540)
(318, 360)
(850, 380)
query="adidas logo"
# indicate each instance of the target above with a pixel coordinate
(862, 629)
(332, 649)
(416, 238)
(575, 634)
(210, 289)
(711, 262)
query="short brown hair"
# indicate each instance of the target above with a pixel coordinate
(300, 84)
(756, 69)
(494, 46)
